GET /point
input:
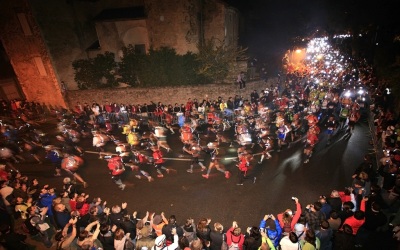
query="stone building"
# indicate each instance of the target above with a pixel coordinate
(43, 37)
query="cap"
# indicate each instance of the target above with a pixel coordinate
(160, 240)
(299, 228)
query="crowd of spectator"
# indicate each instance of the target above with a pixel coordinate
(364, 215)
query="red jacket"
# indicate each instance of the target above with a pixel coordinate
(295, 218)
(231, 238)
(353, 222)
(82, 211)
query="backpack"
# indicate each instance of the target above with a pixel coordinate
(234, 245)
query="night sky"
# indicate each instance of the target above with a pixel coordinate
(269, 27)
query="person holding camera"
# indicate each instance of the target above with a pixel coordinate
(234, 237)
(314, 216)
(253, 238)
(270, 225)
(288, 219)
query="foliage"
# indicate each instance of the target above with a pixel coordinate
(161, 67)
(95, 72)
(216, 59)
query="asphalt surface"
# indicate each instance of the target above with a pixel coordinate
(190, 195)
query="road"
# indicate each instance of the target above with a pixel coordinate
(190, 195)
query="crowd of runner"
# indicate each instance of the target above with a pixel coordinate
(272, 119)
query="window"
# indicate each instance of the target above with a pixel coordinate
(24, 24)
(40, 66)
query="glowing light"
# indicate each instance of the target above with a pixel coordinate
(298, 51)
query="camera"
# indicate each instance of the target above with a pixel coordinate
(294, 198)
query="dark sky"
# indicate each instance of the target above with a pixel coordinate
(268, 27)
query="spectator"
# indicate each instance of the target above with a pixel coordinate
(374, 219)
(128, 224)
(189, 230)
(310, 242)
(36, 219)
(325, 234)
(357, 220)
(344, 238)
(325, 206)
(106, 236)
(161, 241)
(334, 201)
(122, 241)
(167, 229)
(253, 239)
(117, 214)
(314, 216)
(217, 236)
(334, 221)
(63, 238)
(270, 225)
(290, 242)
(86, 239)
(288, 219)
(203, 231)
(158, 222)
(234, 237)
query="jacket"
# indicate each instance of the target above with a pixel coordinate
(231, 238)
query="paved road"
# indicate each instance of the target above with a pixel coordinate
(190, 195)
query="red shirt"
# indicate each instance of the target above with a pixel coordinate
(353, 222)
(157, 155)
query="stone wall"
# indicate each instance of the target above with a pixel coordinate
(28, 54)
(165, 95)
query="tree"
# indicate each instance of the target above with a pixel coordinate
(161, 67)
(217, 59)
(96, 72)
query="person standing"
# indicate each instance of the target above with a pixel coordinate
(234, 237)
(241, 81)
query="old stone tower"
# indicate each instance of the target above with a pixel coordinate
(43, 37)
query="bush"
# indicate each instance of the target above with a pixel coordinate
(161, 67)
(96, 72)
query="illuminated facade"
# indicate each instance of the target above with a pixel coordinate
(43, 37)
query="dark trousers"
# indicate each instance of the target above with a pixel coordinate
(242, 84)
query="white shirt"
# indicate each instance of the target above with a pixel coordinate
(286, 244)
